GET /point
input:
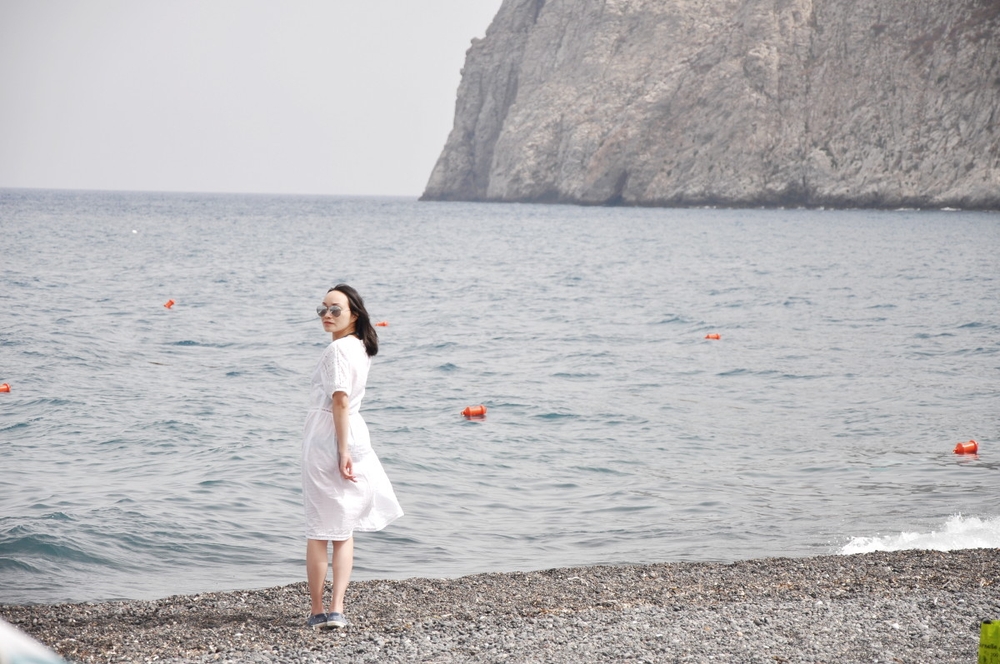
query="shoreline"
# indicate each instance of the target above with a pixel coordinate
(904, 606)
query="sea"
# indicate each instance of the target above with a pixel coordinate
(147, 451)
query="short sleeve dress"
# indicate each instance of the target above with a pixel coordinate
(336, 507)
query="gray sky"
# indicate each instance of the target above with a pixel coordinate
(284, 96)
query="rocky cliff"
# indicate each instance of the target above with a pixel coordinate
(870, 103)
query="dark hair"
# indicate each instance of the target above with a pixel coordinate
(363, 328)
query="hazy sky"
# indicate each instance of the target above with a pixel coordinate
(285, 96)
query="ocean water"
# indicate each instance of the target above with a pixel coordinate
(147, 451)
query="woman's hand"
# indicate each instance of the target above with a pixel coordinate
(347, 467)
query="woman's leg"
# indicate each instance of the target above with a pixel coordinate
(343, 562)
(316, 561)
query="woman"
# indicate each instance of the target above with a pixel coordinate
(343, 483)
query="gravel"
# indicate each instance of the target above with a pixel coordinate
(909, 606)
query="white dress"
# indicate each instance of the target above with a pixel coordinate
(336, 507)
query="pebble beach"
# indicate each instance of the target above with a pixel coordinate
(909, 606)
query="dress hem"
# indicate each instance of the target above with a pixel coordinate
(359, 529)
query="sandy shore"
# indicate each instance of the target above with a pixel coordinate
(912, 606)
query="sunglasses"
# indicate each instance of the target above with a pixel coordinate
(333, 310)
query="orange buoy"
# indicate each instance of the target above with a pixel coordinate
(5, 388)
(713, 336)
(169, 303)
(474, 411)
(970, 447)
(382, 323)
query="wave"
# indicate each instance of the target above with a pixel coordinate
(24, 551)
(200, 344)
(960, 532)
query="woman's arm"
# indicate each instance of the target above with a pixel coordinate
(342, 425)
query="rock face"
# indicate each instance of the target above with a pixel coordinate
(845, 103)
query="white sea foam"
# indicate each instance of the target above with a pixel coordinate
(959, 532)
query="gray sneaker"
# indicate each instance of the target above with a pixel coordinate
(317, 621)
(336, 620)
